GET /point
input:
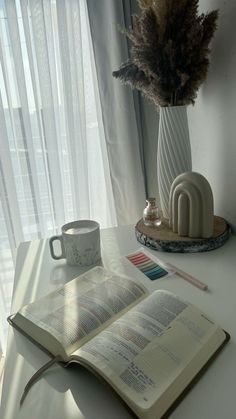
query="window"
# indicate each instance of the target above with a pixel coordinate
(54, 166)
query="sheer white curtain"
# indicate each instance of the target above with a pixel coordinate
(122, 115)
(53, 165)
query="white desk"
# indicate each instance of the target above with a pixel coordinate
(73, 392)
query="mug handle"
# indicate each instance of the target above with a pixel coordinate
(51, 240)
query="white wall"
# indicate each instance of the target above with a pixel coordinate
(212, 120)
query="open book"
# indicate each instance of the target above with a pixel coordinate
(148, 347)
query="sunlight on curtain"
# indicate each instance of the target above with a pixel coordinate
(53, 166)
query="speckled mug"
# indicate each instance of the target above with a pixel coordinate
(80, 243)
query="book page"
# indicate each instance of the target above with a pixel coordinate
(82, 307)
(144, 351)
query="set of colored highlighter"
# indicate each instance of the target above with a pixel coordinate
(154, 270)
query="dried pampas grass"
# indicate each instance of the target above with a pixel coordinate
(170, 49)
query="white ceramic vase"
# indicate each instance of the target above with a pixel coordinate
(173, 152)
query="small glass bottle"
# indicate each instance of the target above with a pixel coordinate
(150, 214)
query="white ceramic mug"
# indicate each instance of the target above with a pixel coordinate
(80, 243)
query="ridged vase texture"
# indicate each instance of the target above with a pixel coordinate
(173, 152)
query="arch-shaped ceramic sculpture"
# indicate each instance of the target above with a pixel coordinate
(191, 206)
